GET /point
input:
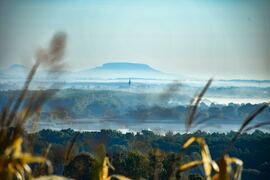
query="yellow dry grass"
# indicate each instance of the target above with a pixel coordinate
(14, 163)
(104, 173)
(216, 170)
(226, 167)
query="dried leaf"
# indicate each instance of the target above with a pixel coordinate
(189, 165)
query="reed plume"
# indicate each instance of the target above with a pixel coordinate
(13, 162)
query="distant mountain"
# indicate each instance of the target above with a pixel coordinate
(19, 71)
(124, 66)
(17, 66)
(14, 71)
(124, 70)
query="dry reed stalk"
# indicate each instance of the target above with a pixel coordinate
(13, 162)
(104, 173)
(257, 126)
(192, 109)
(245, 123)
(207, 162)
(70, 148)
(222, 169)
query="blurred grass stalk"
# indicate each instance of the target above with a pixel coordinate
(14, 164)
(221, 169)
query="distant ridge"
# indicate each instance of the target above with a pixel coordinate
(124, 70)
(125, 66)
(114, 70)
(17, 66)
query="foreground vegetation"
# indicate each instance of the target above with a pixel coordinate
(144, 154)
(141, 156)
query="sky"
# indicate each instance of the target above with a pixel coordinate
(224, 39)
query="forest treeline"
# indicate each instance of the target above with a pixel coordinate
(148, 155)
(76, 104)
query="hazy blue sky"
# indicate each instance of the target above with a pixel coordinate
(220, 38)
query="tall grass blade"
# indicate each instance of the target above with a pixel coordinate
(192, 109)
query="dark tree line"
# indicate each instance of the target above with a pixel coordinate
(149, 155)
